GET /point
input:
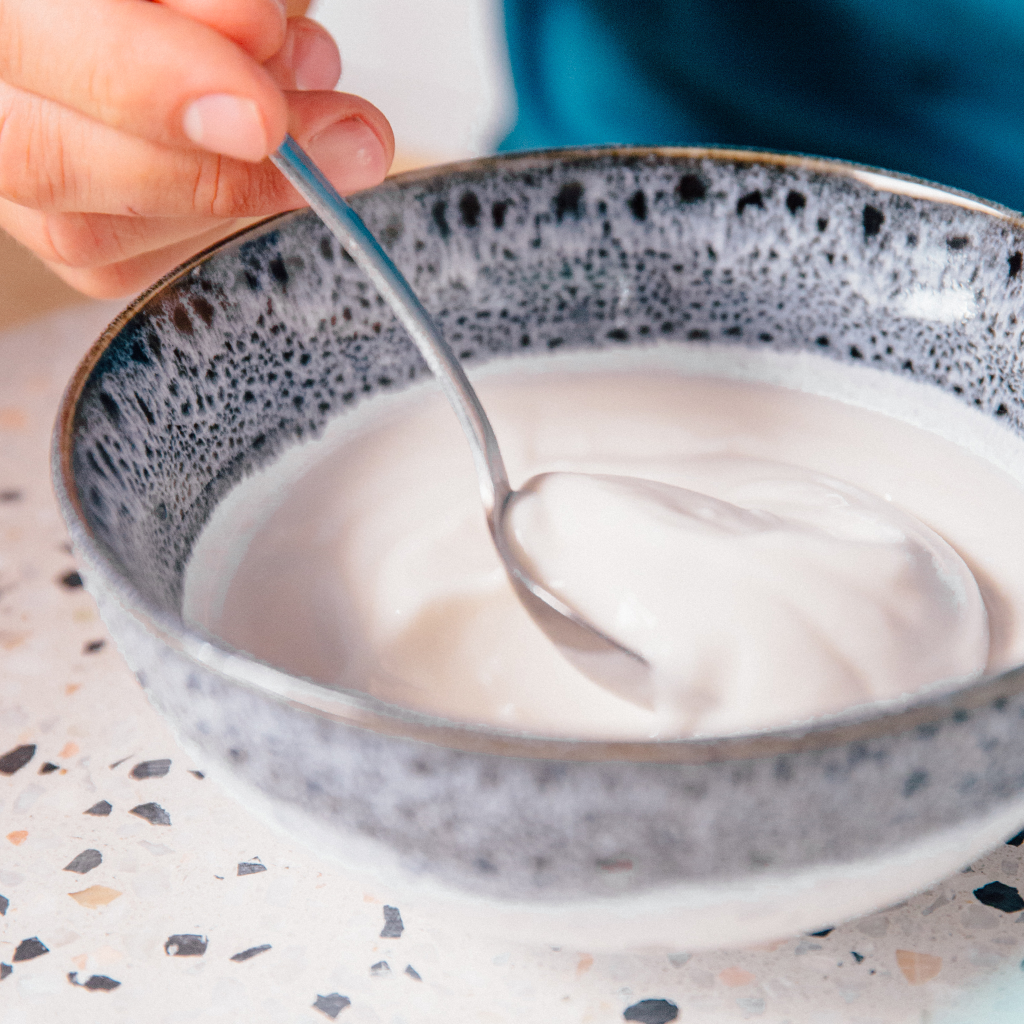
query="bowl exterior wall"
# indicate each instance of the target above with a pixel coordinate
(518, 829)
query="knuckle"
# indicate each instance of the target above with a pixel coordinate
(75, 241)
(34, 167)
(208, 186)
(40, 241)
(225, 188)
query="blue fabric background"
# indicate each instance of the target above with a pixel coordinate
(931, 87)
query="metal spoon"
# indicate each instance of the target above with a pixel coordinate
(596, 654)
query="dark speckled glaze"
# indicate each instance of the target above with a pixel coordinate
(254, 346)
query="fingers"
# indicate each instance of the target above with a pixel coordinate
(308, 59)
(86, 241)
(257, 26)
(134, 133)
(147, 70)
(108, 257)
(54, 159)
(120, 279)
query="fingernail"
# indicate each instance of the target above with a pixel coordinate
(315, 62)
(350, 154)
(227, 124)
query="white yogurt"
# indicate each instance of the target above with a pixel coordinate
(760, 590)
(825, 556)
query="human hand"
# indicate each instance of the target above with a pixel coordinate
(134, 133)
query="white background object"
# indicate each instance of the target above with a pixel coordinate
(438, 69)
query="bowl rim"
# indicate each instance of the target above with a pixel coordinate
(353, 708)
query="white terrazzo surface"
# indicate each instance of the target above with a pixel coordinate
(944, 957)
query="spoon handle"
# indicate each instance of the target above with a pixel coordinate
(345, 224)
(596, 654)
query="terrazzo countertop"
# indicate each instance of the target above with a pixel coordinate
(133, 890)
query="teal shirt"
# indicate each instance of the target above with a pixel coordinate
(933, 88)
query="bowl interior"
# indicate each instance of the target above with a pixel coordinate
(257, 344)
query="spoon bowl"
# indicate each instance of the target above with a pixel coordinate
(597, 655)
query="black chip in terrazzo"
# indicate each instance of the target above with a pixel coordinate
(96, 982)
(85, 862)
(380, 968)
(10, 495)
(153, 813)
(5, 970)
(93, 646)
(4, 904)
(332, 1004)
(186, 945)
(16, 759)
(29, 949)
(198, 775)
(118, 763)
(651, 1011)
(101, 983)
(251, 867)
(49, 767)
(823, 933)
(248, 954)
(151, 769)
(1001, 896)
(1017, 840)
(393, 926)
(72, 580)
(859, 957)
(412, 972)
(100, 809)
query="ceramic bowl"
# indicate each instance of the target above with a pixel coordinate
(253, 346)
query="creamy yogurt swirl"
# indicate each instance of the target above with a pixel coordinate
(756, 582)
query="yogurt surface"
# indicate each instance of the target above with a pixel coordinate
(820, 555)
(753, 586)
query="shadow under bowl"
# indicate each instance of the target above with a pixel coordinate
(253, 346)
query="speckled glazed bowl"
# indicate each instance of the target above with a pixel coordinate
(254, 346)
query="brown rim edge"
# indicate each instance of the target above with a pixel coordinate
(360, 710)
